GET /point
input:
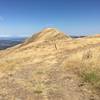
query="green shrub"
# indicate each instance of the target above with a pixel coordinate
(92, 77)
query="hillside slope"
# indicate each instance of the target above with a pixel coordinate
(47, 67)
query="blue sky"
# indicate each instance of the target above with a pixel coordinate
(24, 17)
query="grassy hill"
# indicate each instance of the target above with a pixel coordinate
(51, 66)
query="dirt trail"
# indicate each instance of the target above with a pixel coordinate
(50, 82)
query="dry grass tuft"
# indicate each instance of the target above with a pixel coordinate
(87, 66)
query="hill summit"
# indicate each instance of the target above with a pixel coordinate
(48, 34)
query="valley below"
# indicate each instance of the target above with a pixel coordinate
(9, 42)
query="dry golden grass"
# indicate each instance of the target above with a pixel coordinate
(46, 69)
(87, 65)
